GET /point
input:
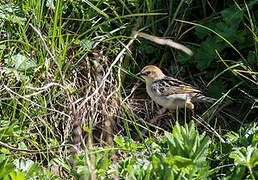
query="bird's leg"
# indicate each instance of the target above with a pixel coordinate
(191, 107)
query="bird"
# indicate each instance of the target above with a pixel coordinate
(168, 92)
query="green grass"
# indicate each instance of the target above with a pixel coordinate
(68, 61)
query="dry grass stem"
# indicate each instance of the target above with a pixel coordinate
(167, 42)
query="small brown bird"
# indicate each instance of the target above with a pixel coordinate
(169, 92)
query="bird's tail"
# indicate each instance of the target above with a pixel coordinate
(200, 97)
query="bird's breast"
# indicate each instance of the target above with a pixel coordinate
(171, 101)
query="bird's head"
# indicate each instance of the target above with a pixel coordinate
(151, 73)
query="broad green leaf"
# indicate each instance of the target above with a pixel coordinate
(184, 58)
(22, 145)
(206, 53)
(237, 173)
(232, 16)
(21, 63)
(201, 33)
(202, 150)
(5, 168)
(88, 44)
(17, 176)
(230, 33)
(23, 164)
(119, 140)
(255, 139)
(187, 146)
(21, 67)
(243, 155)
(251, 58)
(217, 88)
(11, 12)
(50, 4)
(254, 158)
(181, 162)
(5, 151)
(232, 135)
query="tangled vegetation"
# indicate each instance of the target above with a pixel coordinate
(71, 106)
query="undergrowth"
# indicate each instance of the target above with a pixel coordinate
(67, 80)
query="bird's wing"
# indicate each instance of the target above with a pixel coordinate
(169, 85)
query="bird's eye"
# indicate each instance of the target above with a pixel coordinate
(147, 72)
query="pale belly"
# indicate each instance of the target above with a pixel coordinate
(171, 102)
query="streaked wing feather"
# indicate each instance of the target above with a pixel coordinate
(180, 90)
(170, 85)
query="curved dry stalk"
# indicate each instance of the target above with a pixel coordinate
(167, 42)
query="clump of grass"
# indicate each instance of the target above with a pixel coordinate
(62, 86)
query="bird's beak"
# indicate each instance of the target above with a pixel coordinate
(139, 74)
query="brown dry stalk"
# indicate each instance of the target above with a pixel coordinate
(210, 129)
(240, 72)
(162, 41)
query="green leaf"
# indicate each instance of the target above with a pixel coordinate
(201, 32)
(119, 140)
(60, 163)
(11, 12)
(17, 175)
(23, 164)
(255, 139)
(184, 58)
(97, 9)
(21, 63)
(88, 44)
(186, 146)
(5, 151)
(22, 145)
(86, 129)
(217, 88)
(230, 32)
(28, 167)
(181, 162)
(252, 58)
(254, 158)
(202, 150)
(206, 53)
(5, 168)
(238, 173)
(240, 36)
(243, 156)
(232, 136)
(232, 16)
(21, 67)
(50, 4)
